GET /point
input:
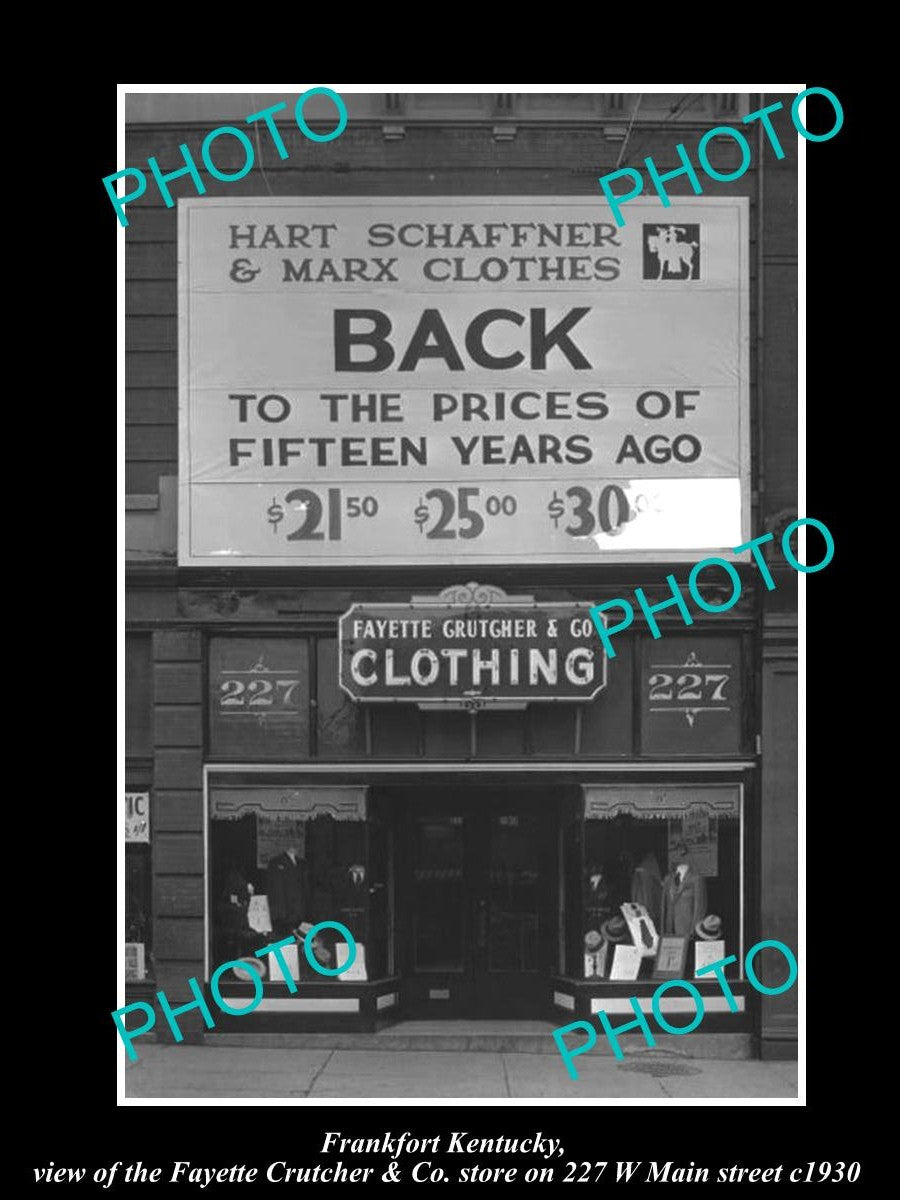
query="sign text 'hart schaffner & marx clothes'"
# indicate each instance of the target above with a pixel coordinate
(471, 380)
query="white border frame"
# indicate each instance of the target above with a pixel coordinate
(473, 1102)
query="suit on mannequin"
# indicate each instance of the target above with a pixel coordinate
(683, 899)
(646, 887)
(287, 892)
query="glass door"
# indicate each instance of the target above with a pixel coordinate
(514, 912)
(481, 895)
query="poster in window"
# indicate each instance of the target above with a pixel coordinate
(134, 962)
(626, 962)
(700, 834)
(276, 832)
(137, 817)
(357, 969)
(670, 958)
(706, 953)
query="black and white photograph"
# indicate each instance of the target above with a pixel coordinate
(461, 552)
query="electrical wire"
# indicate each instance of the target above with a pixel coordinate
(259, 158)
(680, 106)
(628, 130)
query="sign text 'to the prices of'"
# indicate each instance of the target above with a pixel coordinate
(495, 380)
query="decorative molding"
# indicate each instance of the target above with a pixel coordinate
(142, 503)
(653, 803)
(472, 595)
(342, 803)
(198, 604)
(776, 523)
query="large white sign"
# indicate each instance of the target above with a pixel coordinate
(461, 380)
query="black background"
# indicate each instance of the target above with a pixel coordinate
(61, 1030)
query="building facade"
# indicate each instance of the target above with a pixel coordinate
(474, 797)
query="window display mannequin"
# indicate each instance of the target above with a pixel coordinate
(683, 895)
(599, 898)
(646, 886)
(286, 886)
(232, 925)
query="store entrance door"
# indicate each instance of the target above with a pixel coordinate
(481, 891)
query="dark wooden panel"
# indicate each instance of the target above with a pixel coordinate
(150, 260)
(148, 368)
(178, 854)
(142, 478)
(177, 811)
(259, 698)
(172, 978)
(780, 389)
(178, 938)
(341, 723)
(151, 333)
(178, 896)
(501, 734)
(178, 683)
(151, 443)
(151, 406)
(155, 224)
(607, 722)
(447, 735)
(138, 695)
(155, 297)
(178, 726)
(778, 847)
(178, 768)
(552, 729)
(691, 695)
(178, 645)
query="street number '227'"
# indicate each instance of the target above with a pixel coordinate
(258, 693)
(690, 686)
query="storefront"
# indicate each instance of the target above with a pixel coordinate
(479, 857)
(371, 691)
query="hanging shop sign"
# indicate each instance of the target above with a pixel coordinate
(392, 381)
(471, 646)
(137, 816)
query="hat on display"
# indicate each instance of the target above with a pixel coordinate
(615, 930)
(320, 953)
(592, 939)
(709, 928)
(253, 964)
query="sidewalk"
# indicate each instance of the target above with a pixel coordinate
(293, 1073)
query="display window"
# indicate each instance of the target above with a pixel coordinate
(138, 887)
(658, 869)
(138, 922)
(283, 859)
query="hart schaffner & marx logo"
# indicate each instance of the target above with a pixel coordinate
(671, 251)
